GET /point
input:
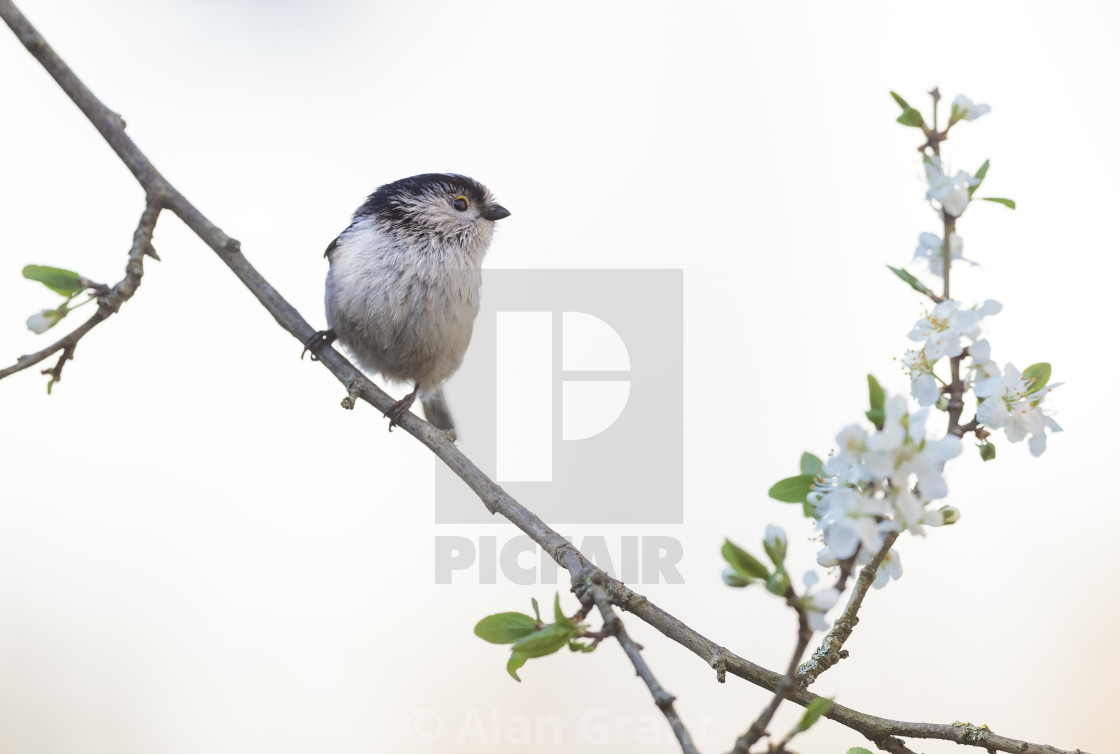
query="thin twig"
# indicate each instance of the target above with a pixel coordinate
(66, 343)
(496, 500)
(830, 651)
(107, 304)
(589, 588)
(789, 680)
(971, 426)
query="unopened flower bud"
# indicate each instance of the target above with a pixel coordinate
(44, 320)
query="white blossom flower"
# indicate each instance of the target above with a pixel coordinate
(952, 194)
(931, 248)
(848, 519)
(890, 568)
(940, 332)
(980, 365)
(925, 390)
(1009, 404)
(913, 516)
(923, 386)
(844, 465)
(817, 603)
(881, 482)
(826, 557)
(901, 452)
(963, 108)
(43, 321)
(942, 329)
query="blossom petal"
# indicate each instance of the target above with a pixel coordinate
(925, 390)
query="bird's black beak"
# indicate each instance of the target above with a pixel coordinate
(495, 212)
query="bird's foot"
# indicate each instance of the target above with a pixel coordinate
(317, 342)
(397, 411)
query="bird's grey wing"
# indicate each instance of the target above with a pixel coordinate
(333, 244)
(436, 411)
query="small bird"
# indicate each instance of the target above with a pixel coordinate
(403, 286)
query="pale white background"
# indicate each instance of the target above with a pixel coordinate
(199, 551)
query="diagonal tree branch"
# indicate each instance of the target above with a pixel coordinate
(879, 730)
(829, 652)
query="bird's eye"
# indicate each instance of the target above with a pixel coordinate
(460, 203)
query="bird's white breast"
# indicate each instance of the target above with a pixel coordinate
(405, 310)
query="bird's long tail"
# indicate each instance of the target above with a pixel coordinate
(436, 411)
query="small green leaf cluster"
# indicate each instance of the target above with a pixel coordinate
(63, 282)
(530, 636)
(910, 116)
(745, 569)
(796, 489)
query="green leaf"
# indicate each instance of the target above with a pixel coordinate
(858, 750)
(810, 510)
(901, 102)
(543, 642)
(515, 662)
(505, 628)
(816, 709)
(983, 171)
(742, 561)
(576, 646)
(1010, 203)
(912, 281)
(810, 464)
(987, 451)
(537, 610)
(1038, 375)
(911, 117)
(561, 619)
(793, 489)
(62, 282)
(878, 398)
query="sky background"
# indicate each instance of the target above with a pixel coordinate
(199, 551)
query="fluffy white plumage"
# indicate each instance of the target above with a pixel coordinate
(403, 287)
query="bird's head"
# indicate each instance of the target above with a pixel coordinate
(449, 208)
